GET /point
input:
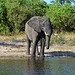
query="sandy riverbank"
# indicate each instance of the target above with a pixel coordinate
(11, 49)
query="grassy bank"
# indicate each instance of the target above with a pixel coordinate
(13, 38)
(15, 46)
(66, 39)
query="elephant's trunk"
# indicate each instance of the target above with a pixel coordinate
(48, 42)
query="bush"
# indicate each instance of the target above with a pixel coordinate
(62, 16)
(15, 13)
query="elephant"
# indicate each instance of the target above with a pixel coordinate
(37, 28)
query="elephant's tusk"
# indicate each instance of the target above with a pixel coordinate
(46, 34)
(55, 34)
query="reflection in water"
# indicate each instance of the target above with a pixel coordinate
(38, 66)
(35, 65)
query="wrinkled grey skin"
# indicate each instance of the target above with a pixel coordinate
(38, 49)
(36, 29)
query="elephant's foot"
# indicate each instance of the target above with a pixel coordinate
(27, 53)
(37, 54)
(32, 55)
(42, 56)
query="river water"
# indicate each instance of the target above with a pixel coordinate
(38, 66)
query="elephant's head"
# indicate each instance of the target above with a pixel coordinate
(41, 24)
(47, 29)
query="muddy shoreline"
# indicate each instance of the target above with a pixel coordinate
(13, 49)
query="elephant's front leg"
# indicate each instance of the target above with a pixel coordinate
(37, 50)
(42, 47)
(34, 48)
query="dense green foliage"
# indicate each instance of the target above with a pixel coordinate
(62, 17)
(15, 13)
(62, 2)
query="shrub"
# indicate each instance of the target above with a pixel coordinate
(62, 16)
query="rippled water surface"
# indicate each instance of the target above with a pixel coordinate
(38, 66)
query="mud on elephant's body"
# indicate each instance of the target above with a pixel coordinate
(36, 29)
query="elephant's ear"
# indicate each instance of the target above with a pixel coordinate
(34, 23)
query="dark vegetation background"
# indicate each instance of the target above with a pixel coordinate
(15, 13)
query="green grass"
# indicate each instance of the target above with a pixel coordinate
(63, 39)
(14, 38)
(67, 38)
